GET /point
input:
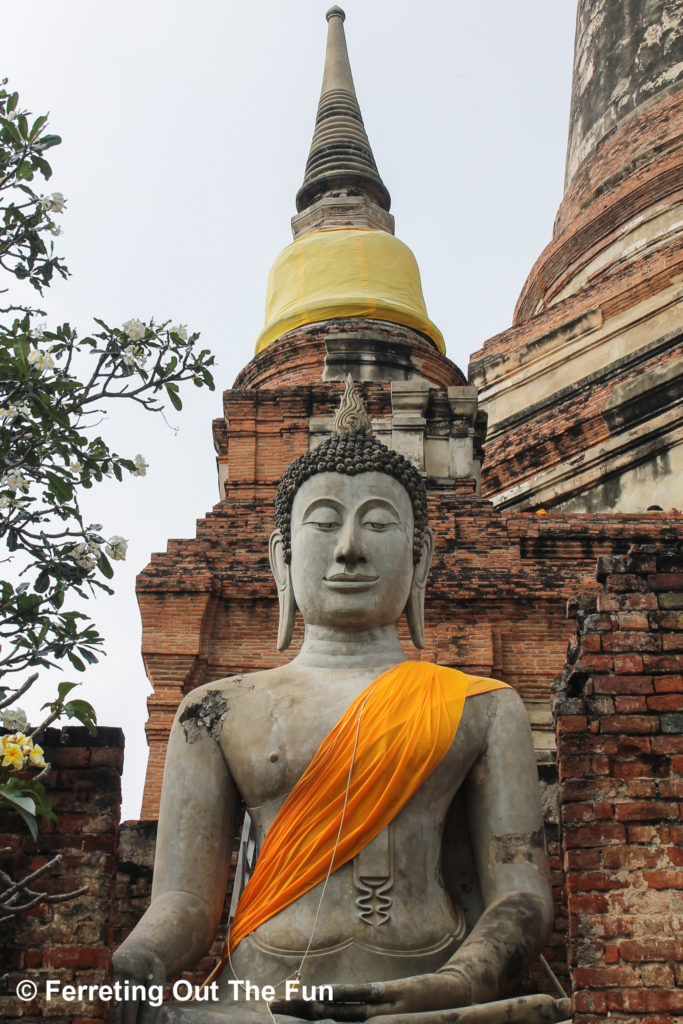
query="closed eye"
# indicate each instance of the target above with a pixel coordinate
(324, 524)
(377, 525)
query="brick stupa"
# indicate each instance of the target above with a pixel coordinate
(345, 298)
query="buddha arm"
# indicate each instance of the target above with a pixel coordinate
(196, 825)
(506, 830)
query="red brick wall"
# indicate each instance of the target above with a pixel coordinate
(495, 599)
(68, 941)
(619, 719)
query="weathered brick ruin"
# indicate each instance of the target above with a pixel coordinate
(619, 719)
(584, 392)
(71, 940)
(583, 396)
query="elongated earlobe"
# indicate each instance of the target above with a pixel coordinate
(285, 592)
(415, 608)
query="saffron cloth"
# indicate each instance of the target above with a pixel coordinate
(409, 716)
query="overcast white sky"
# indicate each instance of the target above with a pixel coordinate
(186, 129)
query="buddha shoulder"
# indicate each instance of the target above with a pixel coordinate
(206, 709)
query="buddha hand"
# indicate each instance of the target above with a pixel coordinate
(137, 970)
(418, 994)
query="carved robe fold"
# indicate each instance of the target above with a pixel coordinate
(378, 754)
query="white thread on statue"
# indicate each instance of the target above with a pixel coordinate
(341, 825)
(297, 974)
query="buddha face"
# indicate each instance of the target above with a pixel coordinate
(352, 544)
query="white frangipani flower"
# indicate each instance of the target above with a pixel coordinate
(116, 548)
(41, 361)
(14, 481)
(181, 331)
(54, 229)
(38, 332)
(53, 203)
(141, 466)
(15, 718)
(83, 557)
(75, 466)
(12, 411)
(134, 329)
(134, 355)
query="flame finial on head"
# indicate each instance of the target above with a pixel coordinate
(351, 417)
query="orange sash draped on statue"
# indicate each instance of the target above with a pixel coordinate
(409, 717)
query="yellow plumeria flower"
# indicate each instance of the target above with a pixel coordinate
(13, 755)
(36, 756)
(17, 737)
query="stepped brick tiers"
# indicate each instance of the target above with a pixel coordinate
(584, 392)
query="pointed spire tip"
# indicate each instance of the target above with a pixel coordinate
(340, 156)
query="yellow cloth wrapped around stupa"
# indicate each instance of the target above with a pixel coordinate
(345, 272)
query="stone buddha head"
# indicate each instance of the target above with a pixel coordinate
(352, 547)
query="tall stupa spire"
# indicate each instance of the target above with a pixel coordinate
(341, 173)
(345, 264)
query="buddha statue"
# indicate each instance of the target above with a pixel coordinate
(348, 759)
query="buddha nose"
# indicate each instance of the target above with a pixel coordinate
(349, 544)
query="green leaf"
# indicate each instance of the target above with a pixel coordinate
(75, 661)
(60, 417)
(23, 805)
(84, 713)
(14, 132)
(39, 793)
(87, 655)
(43, 166)
(48, 141)
(42, 582)
(175, 398)
(60, 487)
(36, 127)
(104, 565)
(65, 688)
